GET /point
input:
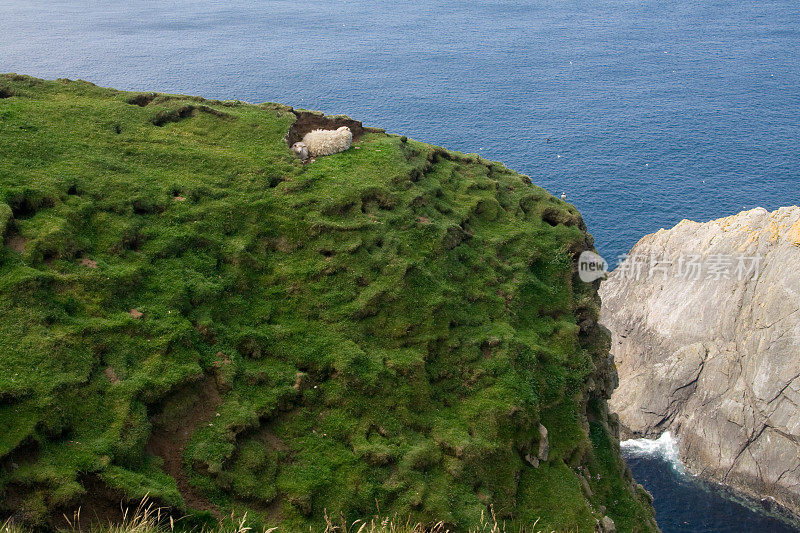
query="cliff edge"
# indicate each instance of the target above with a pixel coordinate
(705, 322)
(188, 311)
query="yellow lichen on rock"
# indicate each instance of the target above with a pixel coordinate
(774, 230)
(793, 235)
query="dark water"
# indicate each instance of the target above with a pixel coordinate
(684, 504)
(656, 110)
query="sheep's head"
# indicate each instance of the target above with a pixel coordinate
(301, 150)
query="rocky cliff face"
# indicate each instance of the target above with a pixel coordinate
(705, 322)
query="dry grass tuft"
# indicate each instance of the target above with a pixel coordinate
(396, 525)
(9, 527)
(147, 518)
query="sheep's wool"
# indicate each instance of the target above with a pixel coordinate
(328, 142)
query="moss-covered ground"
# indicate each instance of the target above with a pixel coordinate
(187, 311)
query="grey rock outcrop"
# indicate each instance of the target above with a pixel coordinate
(607, 525)
(543, 447)
(707, 345)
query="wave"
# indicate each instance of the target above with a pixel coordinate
(664, 447)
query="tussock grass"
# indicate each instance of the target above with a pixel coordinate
(189, 312)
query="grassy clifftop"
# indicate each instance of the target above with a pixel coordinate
(188, 311)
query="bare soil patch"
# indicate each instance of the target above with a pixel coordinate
(142, 99)
(17, 243)
(111, 375)
(180, 415)
(88, 263)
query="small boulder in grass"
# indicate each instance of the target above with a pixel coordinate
(135, 313)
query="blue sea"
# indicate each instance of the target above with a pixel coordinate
(643, 112)
(684, 503)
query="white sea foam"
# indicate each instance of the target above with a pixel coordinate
(664, 446)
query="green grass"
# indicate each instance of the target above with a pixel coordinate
(384, 326)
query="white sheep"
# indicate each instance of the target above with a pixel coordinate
(301, 150)
(327, 142)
